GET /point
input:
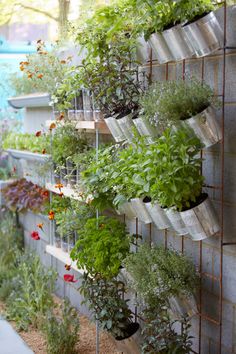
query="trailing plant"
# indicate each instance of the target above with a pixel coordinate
(157, 274)
(102, 245)
(31, 297)
(28, 142)
(67, 142)
(23, 195)
(105, 300)
(41, 72)
(168, 102)
(62, 332)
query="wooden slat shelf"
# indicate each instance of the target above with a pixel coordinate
(62, 256)
(67, 191)
(89, 126)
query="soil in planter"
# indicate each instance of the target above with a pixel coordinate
(86, 344)
(199, 200)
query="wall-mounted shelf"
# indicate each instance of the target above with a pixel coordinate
(32, 100)
(27, 155)
(67, 191)
(62, 256)
(89, 126)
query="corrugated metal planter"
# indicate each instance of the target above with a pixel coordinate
(206, 127)
(145, 128)
(127, 126)
(160, 48)
(177, 44)
(140, 210)
(127, 209)
(201, 221)
(158, 216)
(129, 345)
(176, 221)
(183, 306)
(115, 129)
(205, 35)
(143, 50)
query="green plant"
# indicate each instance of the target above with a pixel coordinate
(62, 333)
(26, 141)
(168, 102)
(22, 195)
(157, 274)
(102, 245)
(41, 72)
(67, 142)
(32, 294)
(160, 335)
(106, 302)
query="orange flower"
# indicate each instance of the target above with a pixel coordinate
(44, 151)
(45, 193)
(40, 226)
(68, 267)
(63, 61)
(39, 76)
(25, 63)
(38, 133)
(61, 194)
(22, 68)
(59, 186)
(52, 126)
(61, 116)
(30, 75)
(51, 215)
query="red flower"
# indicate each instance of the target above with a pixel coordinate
(69, 278)
(35, 235)
(39, 133)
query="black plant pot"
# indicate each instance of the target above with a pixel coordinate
(130, 343)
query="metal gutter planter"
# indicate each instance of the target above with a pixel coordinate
(32, 100)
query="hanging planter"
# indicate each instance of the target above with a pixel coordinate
(158, 216)
(126, 125)
(201, 221)
(143, 50)
(206, 127)
(127, 209)
(139, 207)
(129, 344)
(177, 44)
(115, 129)
(176, 221)
(205, 35)
(183, 306)
(160, 48)
(145, 128)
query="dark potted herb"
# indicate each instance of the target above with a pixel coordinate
(111, 310)
(116, 88)
(189, 101)
(102, 245)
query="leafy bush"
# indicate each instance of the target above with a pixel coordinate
(28, 142)
(23, 195)
(62, 332)
(31, 297)
(103, 244)
(168, 102)
(157, 274)
(106, 302)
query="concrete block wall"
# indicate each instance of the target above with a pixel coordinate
(212, 169)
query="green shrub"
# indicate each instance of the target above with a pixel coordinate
(62, 332)
(102, 246)
(31, 297)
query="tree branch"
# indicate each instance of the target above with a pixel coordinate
(45, 13)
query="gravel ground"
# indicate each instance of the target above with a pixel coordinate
(86, 344)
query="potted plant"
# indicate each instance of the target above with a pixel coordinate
(102, 245)
(116, 88)
(158, 275)
(110, 309)
(176, 183)
(189, 101)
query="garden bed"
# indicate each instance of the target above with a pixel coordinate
(86, 344)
